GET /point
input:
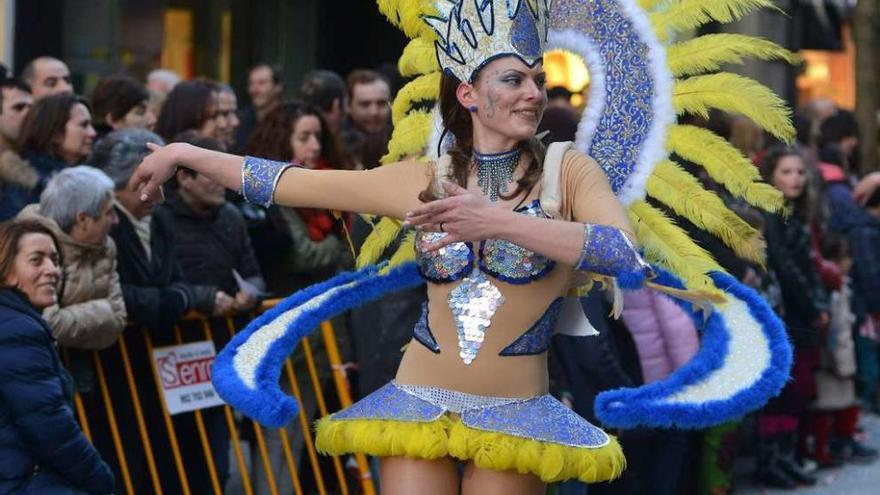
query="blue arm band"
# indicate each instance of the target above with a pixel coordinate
(607, 251)
(259, 178)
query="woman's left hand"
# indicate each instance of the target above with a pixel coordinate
(463, 215)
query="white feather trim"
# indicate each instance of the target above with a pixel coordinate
(580, 44)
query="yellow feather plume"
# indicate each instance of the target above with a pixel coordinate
(406, 252)
(725, 164)
(422, 88)
(410, 136)
(419, 57)
(411, 13)
(738, 94)
(377, 242)
(709, 52)
(674, 187)
(684, 15)
(388, 8)
(669, 246)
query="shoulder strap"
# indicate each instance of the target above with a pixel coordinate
(551, 187)
(440, 168)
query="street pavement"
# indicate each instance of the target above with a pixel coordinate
(851, 479)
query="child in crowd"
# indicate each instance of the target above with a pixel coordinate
(835, 411)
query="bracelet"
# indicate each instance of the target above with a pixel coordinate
(259, 178)
(608, 251)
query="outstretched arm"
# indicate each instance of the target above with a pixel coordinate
(390, 190)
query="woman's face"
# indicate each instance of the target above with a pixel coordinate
(94, 231)
(509, 96)
(35, 269)
(306, 140)
(140, 116)
(789, 176)
(216, 124)
(76, 144)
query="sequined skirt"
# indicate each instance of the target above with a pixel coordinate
(537, 435)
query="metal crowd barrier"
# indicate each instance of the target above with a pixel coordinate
(108, 400)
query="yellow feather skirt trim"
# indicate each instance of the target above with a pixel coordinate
(449, 437)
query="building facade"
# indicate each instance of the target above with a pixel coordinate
(219, 39)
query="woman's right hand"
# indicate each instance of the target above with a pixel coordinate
(159, 166)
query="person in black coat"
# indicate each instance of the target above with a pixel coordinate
(805, 313)
(211, 241)
(42, 448)
(211, 235)
(156, 296)
(153, 284)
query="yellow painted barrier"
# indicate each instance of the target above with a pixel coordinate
(153, 451)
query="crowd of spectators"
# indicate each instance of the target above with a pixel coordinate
(87, 266)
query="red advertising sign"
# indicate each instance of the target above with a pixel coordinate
(185, 375)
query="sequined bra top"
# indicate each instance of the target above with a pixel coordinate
(500, 259)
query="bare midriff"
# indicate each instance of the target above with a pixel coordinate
(490, 373)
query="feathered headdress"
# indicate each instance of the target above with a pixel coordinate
(472, 33)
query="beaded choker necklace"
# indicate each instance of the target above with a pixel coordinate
(494, 171)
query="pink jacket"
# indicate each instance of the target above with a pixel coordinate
(664, 334)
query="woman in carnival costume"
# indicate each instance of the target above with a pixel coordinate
(504, 228)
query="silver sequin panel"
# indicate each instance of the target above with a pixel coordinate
(473, 303)
(452, 400)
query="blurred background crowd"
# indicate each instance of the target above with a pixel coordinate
(75, 124)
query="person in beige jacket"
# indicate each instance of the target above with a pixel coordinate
(77, 205)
